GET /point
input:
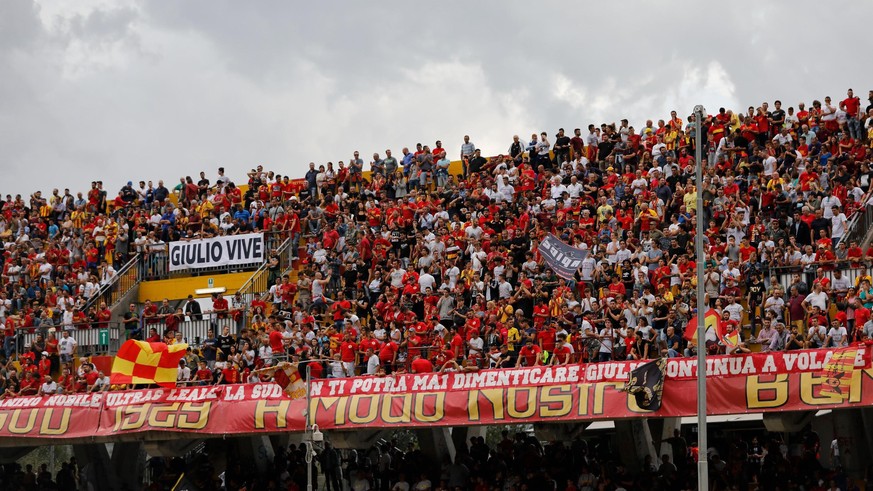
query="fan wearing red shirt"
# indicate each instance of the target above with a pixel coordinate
(421, 365)
(277, 344)
(388, 355)
(45, 365)
(229, 375)
(457, 344)
(854, 253)
(561, 355)
(288, 291)
(616, 287)
(29, 385)
(746, 250)
(862, 314)
(348, 354)
(204, 375)
(219, 305)
(67, 382)
(529, 354)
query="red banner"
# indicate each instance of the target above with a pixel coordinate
(793, 381)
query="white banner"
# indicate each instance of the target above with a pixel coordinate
(218, 251)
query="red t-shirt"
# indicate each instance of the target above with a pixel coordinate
(862, 315)
(421, 365)
(348, 350)
(204, 374)
(340, 307)
(276, 342)
(91, 377)
(562, 352)
(387, 352)
(852, 104)
(530, 354)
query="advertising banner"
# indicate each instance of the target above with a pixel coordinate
(218, 251)
(793, 381)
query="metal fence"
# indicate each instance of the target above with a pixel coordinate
(92, 339)
(785, 275)
(125, 279)
(860, 224)
(195, 331)
(263, 278)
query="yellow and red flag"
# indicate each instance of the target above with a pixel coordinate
(140, 362)
(711, 320)
(838, 372)
(287, 376)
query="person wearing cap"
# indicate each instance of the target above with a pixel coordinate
(45, 364)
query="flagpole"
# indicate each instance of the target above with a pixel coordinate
(702, 465)
(309, 449)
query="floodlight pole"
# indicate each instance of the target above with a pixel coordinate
(702, 465)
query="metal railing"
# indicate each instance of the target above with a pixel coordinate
(124, 281)
(154, 263)
(91, 338)
(194, 331)
(785, 274)
(860, 224)
(263, 278)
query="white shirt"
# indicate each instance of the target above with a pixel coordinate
(817, 300)
(735, 310)
(426, 280)
(66, 346)
(826, 203)
(49, 387)
(839, 336)
(372, 364)
(838, 225)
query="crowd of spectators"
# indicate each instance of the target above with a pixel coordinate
(416, 267)
(419, 269)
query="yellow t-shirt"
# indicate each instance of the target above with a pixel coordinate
(690, 200)
(512, 337)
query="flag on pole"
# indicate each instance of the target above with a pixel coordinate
(287, 376)
(140, 362)
(646, 384)
(732, 339)
(711, 320)
(838, 372)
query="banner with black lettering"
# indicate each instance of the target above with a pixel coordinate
(230, 250)
(564, 259)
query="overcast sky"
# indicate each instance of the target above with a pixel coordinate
(134, 90)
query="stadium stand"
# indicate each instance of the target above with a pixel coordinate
(423, 264)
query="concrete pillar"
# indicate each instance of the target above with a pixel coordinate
(667, 426)
(95, 466)
(436, 443)
(461, 436)
(128, 460)
(850, 427)
(256, 450)
(634, 442)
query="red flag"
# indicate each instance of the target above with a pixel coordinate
(139, 362)
(711, 320)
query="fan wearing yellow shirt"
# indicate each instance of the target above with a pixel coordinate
(670, 137)
(78, 217)
(205, 208)
(775, 181)
(512, 337)
(690, 198)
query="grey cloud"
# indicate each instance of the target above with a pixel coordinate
(163, 89)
